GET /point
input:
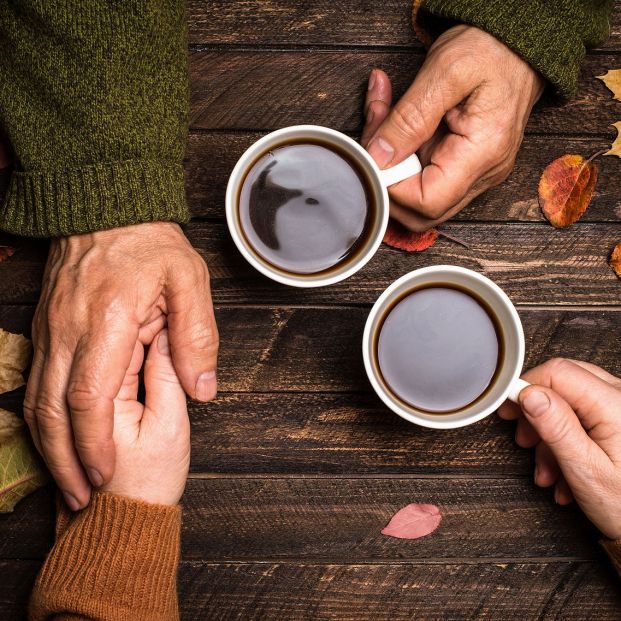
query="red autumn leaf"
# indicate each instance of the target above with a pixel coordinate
(6, 252)
(615, 260)
(397, 236)
(413, 521)
(566, 188)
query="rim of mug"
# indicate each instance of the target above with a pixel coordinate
(304, 280)
(440, 421)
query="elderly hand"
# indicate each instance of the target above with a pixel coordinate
(152, 440)
(104, 294)
(572, 415)
(464, 115)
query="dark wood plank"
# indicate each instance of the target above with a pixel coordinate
(211, 157)
(534, 263)
(318, 349)
(340, 519)
(568, 591)
(378, 592)
(327, 22)
(335, 519)
(264, 90)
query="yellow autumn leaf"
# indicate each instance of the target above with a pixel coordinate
(615, 149)
(612, 79)
(21, 471)
(14, 358)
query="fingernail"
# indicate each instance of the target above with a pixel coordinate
(95, 477)
(71, 501)
(536, 403)
(206, 386)
(372, 79)
(382, 152)
(162, 344)
(370, 115)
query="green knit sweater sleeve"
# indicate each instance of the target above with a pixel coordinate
(94, 100)
(552, 35)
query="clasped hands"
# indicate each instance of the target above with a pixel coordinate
(109, 294)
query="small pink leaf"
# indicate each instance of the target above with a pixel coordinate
(413, 521)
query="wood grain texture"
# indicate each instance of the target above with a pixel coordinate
(378, 592)
(533, 263)
(339, 519)
(265, 90)
(212, 156)
(275, 349)
(321, 22)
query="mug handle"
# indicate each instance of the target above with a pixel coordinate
(516, 389)
(408, 168)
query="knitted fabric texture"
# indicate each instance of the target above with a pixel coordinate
(115, 560)
(551, 35)
(94, 100)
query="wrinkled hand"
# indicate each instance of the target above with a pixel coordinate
(464, 115)
(152, 440)
(104, 293)
(572, 415)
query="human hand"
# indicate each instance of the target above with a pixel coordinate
(152, 440)
(571, 414)
(104, 293)
(464, 115)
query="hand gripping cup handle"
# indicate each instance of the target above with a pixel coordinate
(516, 389)
(408, 168)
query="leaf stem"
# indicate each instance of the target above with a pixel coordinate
(453, 239)
(597, 154)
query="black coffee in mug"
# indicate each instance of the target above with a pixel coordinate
(439, 348)
(306, 207)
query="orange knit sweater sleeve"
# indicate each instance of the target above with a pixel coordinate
(115, 560)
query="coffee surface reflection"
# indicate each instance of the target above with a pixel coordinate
(304, 208)
(439, 348)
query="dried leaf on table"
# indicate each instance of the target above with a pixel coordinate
(566, 188)
(612, 79)
(21, 471)
(6, 252)
(397, 236)
(615, 260)
(15, 353)
(615, 149)
(413, 521)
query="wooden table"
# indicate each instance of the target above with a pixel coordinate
(297, 466)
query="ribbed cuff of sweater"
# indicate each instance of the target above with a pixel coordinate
(531, 29)
(115, 560)
(613, 550)
(93, 198)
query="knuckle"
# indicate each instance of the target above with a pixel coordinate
(558, 365)
(82, 396)
(48, 412)
(407, 117)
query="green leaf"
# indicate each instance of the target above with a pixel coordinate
(21, 471)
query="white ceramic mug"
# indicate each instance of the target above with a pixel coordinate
(507, 384)
(380, 180)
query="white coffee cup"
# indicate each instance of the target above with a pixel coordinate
(507, 383)
(380, 180)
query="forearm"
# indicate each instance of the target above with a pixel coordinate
(552, 35)
(116, 559)
(94, 99)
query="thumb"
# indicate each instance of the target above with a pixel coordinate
(193, 337)
(559, 427)
(417, 115)
(163, 391)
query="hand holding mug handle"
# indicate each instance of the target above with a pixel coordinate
(409, 167)
(516, 389)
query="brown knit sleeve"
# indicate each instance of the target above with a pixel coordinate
(613, 550)
(116, 559)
